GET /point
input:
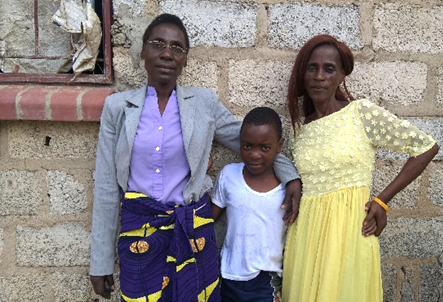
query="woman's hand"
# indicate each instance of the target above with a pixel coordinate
(375, 221)
(369, 226)
(413, 167)
(292, 201)
(103, 285)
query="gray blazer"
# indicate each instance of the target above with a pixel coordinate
(203, 119)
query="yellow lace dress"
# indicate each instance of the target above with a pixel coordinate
(326, 257)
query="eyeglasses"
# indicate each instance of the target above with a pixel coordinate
(160, 45)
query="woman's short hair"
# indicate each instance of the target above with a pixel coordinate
(166, 19)
(297, 87)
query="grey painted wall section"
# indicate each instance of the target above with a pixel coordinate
(244, 51)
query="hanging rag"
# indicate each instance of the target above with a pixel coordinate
(80, 20)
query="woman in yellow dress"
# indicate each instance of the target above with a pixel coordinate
(332, 250)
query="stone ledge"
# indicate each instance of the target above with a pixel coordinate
(52, 102)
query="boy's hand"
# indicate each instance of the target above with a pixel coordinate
(375, 213)
(292, 201)
(277, 297)
(103, 285)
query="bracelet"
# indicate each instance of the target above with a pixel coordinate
(381, 203)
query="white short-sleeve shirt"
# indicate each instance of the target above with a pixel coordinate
(255, 235)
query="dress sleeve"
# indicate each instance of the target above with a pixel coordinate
(386, 130)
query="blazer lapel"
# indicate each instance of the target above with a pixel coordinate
(185, 107)
(132, 114)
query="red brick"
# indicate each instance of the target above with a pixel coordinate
(92, 103)
(63, 103)
(33, 102)
(8, 97)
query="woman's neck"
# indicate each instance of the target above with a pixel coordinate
(326, 108)
(163, 91)
(163, 94)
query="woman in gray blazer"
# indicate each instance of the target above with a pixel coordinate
(152, 156)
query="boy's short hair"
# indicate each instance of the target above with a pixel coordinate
(263, 116)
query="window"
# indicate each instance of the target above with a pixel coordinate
(32, 48)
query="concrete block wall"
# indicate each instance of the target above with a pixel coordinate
(244, 50)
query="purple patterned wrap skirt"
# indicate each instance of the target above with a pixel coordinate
(167, 253)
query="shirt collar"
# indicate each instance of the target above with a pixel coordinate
(152, 92)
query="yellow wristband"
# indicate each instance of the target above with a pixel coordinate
(383, 205)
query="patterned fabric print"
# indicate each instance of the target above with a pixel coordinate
(345, 159)
(167, 252)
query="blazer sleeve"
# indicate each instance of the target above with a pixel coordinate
(227, 127)
(105, 212)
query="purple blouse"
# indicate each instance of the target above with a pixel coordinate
(159, 167)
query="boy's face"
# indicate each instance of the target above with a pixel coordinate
(259, 145)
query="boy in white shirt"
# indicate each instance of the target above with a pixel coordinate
(252, 195)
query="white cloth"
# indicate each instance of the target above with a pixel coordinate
(255, 235)
(79, 17)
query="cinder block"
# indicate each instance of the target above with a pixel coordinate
(129, 26)
(440, 86)
(412, 238)
(222, 155)
(431, 282)
(384, 174)
(201, 74)
(389, 279)
(258, 83)
(125, 8)
(29, 287)
(71, 287)
(1, 244)
(21, 192)
(51, 140)
(435, 192)
(418, 30)
(292, 24)
(216, 23)
(59, 245)
(408, 285)
(389, 82)
(129, 74)
(67, 193)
